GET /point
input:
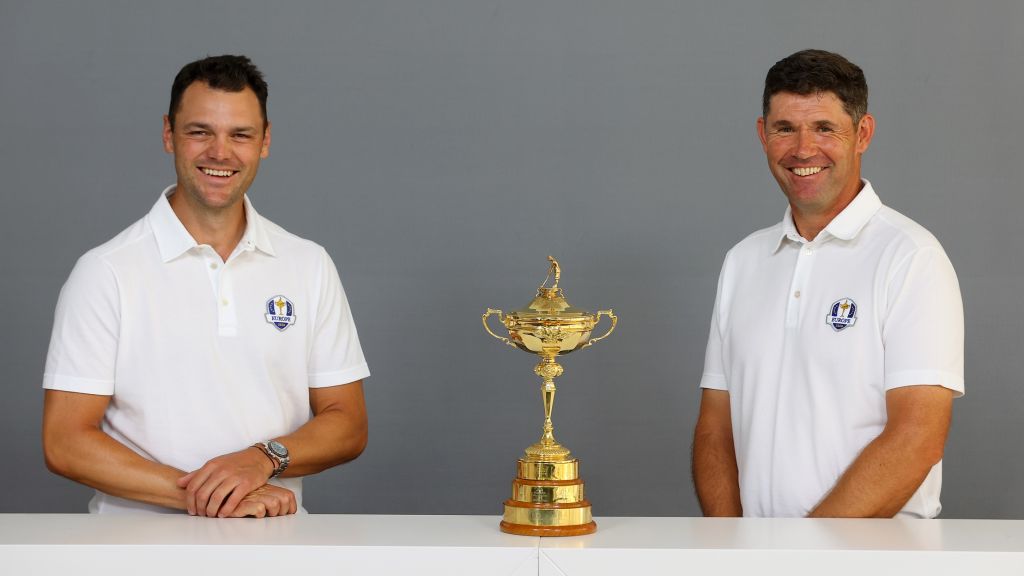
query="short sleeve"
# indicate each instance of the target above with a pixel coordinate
(336, 357)
(83, 346)
(924, 326)
(713, 376)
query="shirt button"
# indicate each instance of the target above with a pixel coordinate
(796, 294)
(213, 265)
(224, 302)
(808, 251)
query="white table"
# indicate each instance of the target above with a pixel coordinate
(179, 545)
(789, 546)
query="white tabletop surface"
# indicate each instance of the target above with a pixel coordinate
(789, 546)
(294, 530)
(379, 544)
(301, 545)
(800, 534)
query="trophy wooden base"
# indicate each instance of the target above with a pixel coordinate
(547, 500)
(525, 530)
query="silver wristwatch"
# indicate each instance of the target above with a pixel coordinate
(277, 453)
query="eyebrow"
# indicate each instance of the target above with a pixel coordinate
(816, 123)
(194, 125)
(209, 128)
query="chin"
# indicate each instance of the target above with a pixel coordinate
(218, 200)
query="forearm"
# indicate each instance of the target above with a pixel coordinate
(327, 440)
(76, 447)
(880, 481)
(890, 469)
(715, 474)
(93, 458)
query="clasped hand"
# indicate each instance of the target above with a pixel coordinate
(235, 485)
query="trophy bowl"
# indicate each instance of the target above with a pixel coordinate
(547, 494)
(549, 319)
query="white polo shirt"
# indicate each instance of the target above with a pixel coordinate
(807, 337)
(201, 357)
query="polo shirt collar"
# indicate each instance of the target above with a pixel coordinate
(845, 226)
(173, 239)
(256, 235)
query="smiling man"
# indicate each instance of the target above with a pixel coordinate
(204, 359)
(836, 342)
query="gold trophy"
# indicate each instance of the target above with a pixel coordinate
(547, 494)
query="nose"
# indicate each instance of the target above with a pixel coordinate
(219, 148)
(805, 144)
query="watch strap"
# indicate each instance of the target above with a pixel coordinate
(280, 464)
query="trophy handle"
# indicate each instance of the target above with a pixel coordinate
(612, 317)
(488, 328)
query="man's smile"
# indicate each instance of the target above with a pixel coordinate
(218, 173)
(807, 170)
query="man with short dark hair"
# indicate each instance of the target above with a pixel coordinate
(189, 351)
(836, 342)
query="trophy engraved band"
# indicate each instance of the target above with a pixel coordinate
(548, 498)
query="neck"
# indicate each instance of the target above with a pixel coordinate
(810, 223)
(221, 229)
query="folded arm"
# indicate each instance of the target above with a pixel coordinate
(77, 448)
(335, 434)
(892, 467)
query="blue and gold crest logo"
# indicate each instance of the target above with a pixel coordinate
(280, 312)
(842, 314)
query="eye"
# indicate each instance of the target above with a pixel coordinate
(784, 130)
(825, 129)
(197, 133)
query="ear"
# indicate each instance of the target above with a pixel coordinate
(168, 133)
(760, 133)
(265, 149)
(865, 131)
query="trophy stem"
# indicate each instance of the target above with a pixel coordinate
(548, 392)
(548, 449)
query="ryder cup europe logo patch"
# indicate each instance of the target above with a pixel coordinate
(280, 312)
(842, 314)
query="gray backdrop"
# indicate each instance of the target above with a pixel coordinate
(441, 150)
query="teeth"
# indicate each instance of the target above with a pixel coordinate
(212, 172)
(806, 171)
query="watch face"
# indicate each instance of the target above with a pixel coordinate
(277, 448)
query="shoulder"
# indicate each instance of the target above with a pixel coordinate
(95, 281)
(907, 256)
(895, 227)
(122, 248)
(757, 244)
(895, 242)
(302, 256)
(291, 245)
(765, 237)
